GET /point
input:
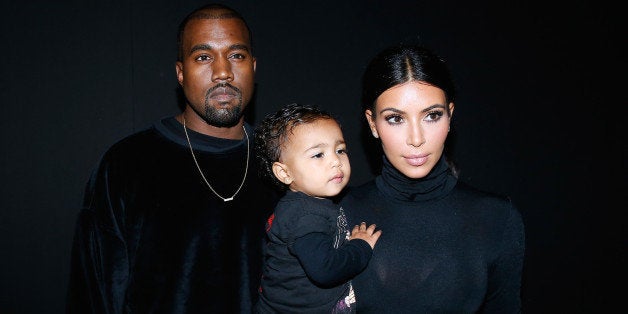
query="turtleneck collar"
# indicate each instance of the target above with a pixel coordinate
(438, 183)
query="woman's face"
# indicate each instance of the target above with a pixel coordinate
(412, 121)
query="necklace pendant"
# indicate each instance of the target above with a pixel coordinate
(246, 167)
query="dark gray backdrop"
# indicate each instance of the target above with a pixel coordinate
(538, 117)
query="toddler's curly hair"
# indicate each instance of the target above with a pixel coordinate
(273, 132)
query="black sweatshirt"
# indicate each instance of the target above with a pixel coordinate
(152, 238)
(309, 261)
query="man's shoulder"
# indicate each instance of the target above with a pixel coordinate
(133, 142)
(158, 130)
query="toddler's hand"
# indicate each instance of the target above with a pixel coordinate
(367, 234)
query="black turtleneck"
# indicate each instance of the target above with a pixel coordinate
(445, 246)
(436, 184)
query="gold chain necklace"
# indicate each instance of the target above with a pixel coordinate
(246, 169)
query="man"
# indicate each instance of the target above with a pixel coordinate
(174, 215)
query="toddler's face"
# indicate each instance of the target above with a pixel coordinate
(314, 159)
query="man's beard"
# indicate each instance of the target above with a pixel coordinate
(223, 117)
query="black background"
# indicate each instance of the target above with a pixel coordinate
(540, 117)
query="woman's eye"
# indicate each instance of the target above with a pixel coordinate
(319, 155)
(434, 116)
(341, 151)
(394, 119)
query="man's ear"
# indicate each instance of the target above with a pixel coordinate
(179, 68)
(282, 173)
(369, 118)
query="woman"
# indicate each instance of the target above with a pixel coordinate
(448, 247)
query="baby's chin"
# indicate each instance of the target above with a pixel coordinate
(326, 194)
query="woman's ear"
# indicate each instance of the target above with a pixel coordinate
(281, 172)
(450, 110)
(369, 118)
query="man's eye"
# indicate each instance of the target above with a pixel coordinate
(238, 56)
(202, 58)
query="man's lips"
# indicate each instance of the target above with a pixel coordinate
(223, 93)
(221, 97)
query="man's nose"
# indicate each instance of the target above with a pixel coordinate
(221, 70)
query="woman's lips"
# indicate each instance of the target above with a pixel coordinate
(416, 160)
